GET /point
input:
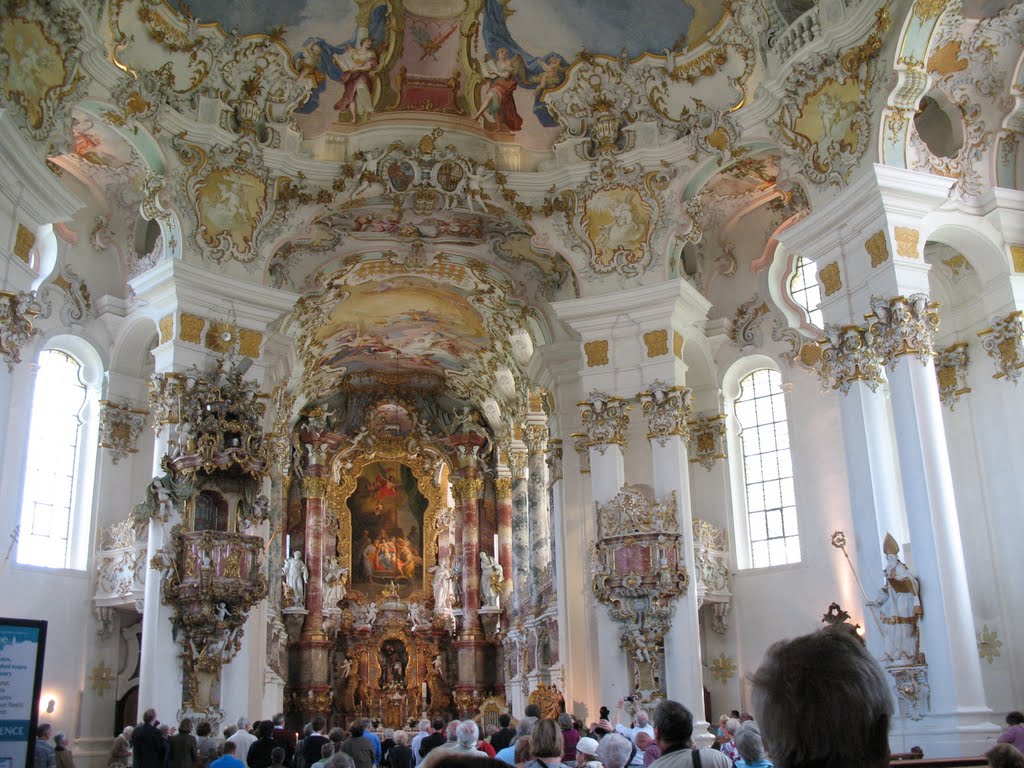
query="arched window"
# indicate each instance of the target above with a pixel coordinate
(766, 470)
(804, 288)
(57, 455)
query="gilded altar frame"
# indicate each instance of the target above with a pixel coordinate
(393, 449)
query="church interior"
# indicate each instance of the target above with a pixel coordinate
(405, 358)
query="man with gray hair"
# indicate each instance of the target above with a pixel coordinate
(821, 699)
(417, 740)
(673, 729)
(615, 751)
(242, 739)
(467, 734)
(525, 728)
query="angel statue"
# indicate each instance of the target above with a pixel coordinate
(491, 577)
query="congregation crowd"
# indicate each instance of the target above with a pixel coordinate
(819, 700)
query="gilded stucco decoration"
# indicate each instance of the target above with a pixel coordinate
(656, 343)
(907, 241)
(613, 217)
(877, 248)
(40, 62)
(1004, 343)
(968, 61)
(707, 439)
(451, 321)
(596, 352)
(723, 668)
(951, 372)
(120, 426)
(605, 419)
(821, 120)
(667, 410)
(989, 644)
(17, 313)
(582, 447)
(713, 577)
(743, 331)
(686, 92)
(120, 565)
(850, 353)
(637, 571)
(830, 278)
(904, 325)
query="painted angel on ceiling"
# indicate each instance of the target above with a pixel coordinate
(353, 64)
(508, 66)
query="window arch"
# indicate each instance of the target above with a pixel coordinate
(763, 494)
(56, 499)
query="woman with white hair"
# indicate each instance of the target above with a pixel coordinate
(751, 748)
(121, 749)
(63, 754)
(615, 751)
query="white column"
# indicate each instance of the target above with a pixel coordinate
(947, 627)
(683, 671)
(876, 499)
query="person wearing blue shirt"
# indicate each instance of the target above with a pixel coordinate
(228, 760)
(367, 725)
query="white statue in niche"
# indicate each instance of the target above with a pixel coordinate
(295, 577)
(491, 577)
(442, 589)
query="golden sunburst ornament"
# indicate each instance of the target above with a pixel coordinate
(989, 644)
(723, 668)
(101, 679)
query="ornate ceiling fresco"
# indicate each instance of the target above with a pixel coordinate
(483, 158)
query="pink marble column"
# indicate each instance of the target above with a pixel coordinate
(314, 507)
(467, 491)
(503, 508)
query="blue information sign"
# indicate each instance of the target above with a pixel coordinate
(22, 643)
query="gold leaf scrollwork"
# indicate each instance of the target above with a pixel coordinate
(316, 487)
(605, 420)
(667, 409)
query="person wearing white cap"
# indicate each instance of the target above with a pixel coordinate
(586, 750)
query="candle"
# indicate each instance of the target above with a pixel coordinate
(287, 544)
(495, 546)
(423, 689)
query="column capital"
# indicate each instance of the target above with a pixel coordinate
(1004, 343)
(605, 420)
(466, 489)
(904, 326)
(554, 461)
(517, 461)
(582, 447)
(667, 410)
(849, 354)
(315, 487)
(503, 488)
(706, 441)
(536, 437)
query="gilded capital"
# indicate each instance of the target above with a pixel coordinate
(951, 373)
(466, 489)
(904, 326)
(517, 461)
(849, 353)
(605, 419)
(17, 311)
(315, 487)
(536, 437)
(582, 448)
(1004, 343)
(667, 410)
(503, 488)
(554, 462)
(706, 442)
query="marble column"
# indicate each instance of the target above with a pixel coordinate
(467, 491)
(904, 330)
(605, 422)
(520, 528)
(667, 410)
(503, 504)
(535, 435)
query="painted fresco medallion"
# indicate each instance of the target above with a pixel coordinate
(402, 325)
(828, 114)
(229, 206)
(617, 222)
(34, 67)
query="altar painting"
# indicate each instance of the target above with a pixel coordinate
(388, 512)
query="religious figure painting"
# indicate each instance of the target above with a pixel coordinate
(617, 221)
(387, 511)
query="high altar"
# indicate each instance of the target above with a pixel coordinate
(395, 522)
